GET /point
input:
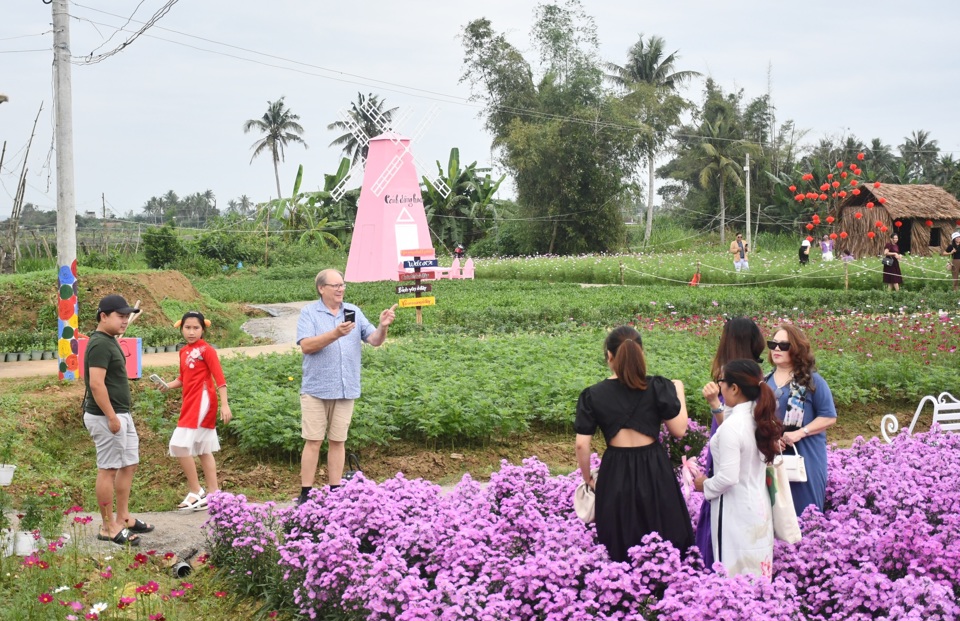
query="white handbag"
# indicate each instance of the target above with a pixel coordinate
(585, 500)
(795, 467)
(786, 527)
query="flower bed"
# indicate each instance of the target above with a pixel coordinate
(887, 547)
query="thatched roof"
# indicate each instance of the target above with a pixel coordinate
(909, 201)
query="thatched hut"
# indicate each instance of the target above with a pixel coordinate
(926, 214)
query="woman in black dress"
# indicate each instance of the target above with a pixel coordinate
(891, 273)
(637, 490)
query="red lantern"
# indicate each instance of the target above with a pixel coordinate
(836, 184)
(854, 182)
(860, 156)
(808, 177)
(870, 205)
(830, 219)
(858, 215)
(843, 193)
(876, 184)
(843, 234)
(793, 188)
(816, 219)
(843, 175)
(958, 222)
(878, 224)
(799, 198)
(809, 239)
(824, 187)
(853, 166)
(881, 200)
(809, 227)
(823, 197)
(884, 229)
(833, 235)
(830, 176)
(929, 222)
(898, 224)
(871, 234)
(839, 164)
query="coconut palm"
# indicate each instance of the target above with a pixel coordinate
(720, 156)
(647, 65)
(280, 126)
(366, 112)
(920, 154)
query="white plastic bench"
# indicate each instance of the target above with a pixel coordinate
(946, 413)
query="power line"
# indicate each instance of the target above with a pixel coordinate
(91, 60)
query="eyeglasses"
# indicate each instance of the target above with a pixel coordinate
(339, 286)
(781, 345)
(724, 380)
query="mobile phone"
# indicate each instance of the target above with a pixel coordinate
(156, 380)
(349, 315)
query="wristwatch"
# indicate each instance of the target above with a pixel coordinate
(806, 432)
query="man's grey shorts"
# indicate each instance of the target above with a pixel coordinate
(114, 450)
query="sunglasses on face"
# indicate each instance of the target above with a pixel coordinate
(781, 345)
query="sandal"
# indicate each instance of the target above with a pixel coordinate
(193, 500)
(124, 537)
(140, 527)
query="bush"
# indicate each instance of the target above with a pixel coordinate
(197, 265)
(102, 261)
(227, 248)
(161, 247)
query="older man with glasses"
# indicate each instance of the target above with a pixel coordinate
(330, 333)
(740, 252)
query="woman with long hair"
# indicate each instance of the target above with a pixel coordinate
(805, 405)
(741, 338)
(892, 277)
(746, 442)
(637, 491)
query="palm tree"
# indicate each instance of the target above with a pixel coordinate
(279, 126)
(920, 154)
(646, 64)
(366, 112)
(720, 156)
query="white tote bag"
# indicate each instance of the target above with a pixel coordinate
(786, 527)
(585, 500)
(795, 467)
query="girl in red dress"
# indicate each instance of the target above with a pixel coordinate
(196, 435)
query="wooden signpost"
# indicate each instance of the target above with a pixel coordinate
(416, 287)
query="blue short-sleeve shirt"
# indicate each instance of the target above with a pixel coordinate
(334, 371)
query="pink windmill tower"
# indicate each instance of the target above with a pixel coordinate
(390, 214)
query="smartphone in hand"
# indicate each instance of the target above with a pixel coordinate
(349, 315)
(157, 380)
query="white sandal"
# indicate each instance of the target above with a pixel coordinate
(192, 501)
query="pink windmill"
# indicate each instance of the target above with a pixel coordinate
(390, 214)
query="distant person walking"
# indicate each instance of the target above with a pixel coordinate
(846, 256)
(330, 333)
(826, 248)
(804, 252)
(954, 248)
(891, 264)
(741, 253)
(106, 415)
(196, 434)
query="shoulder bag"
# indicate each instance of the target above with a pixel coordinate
(794, 466)
(887, 260)
(585, 500)
(786, 527)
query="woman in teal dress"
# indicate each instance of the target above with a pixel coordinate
(805, 406)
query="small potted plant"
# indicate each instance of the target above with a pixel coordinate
(6, 455)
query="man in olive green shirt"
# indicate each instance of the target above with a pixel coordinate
(106, 415)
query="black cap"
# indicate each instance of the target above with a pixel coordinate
(115, 304)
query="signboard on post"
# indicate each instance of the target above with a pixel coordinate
(419, 252)
(416, 276)
(417, 288)
(427, 301)
(420, 263)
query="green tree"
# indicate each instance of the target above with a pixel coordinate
(279, 127)
(468, 211)
(720, 152)
(570, 145)
(920, 153)
(365, 114)
(659, 108)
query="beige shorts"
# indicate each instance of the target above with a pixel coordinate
(114, 450)
(325, 418)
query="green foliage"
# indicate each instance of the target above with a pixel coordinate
(161, 246)
(99, 260)
(265, 400)
(227, 248)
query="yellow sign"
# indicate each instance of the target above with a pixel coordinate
(425, 301)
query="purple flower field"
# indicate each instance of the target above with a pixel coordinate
(887, 547)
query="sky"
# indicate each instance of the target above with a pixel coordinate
(166, 112)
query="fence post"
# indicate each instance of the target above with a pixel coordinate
(621, 272)
(846, 276)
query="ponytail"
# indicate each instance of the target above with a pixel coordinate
(746, 374)
(628, 362)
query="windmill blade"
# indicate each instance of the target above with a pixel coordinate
(382, 122)
(387, 175)
(435, 179)
(341, 188)
(362, 138)
(424, 122)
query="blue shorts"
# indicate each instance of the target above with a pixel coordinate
(114, 450)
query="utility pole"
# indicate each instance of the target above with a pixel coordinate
(746, 173)
(67, 319)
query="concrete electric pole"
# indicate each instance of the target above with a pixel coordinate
(67, 319)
